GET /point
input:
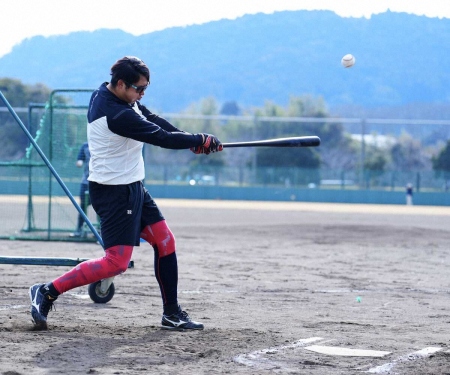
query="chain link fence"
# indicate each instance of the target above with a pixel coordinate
(34, 206)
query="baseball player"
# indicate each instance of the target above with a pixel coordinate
(118, 126)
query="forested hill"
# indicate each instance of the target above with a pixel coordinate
(400, 59)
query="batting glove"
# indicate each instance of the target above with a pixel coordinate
(198, 150)
(210, 144)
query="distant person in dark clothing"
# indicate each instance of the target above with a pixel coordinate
(83, 159)
(409, 194)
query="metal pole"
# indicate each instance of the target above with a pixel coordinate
(363, 153)
(50, 156)
(30, 204)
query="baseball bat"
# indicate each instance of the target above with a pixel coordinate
(310, 141)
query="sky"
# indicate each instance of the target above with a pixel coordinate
(23, 19)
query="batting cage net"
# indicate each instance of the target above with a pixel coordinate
(33, 204)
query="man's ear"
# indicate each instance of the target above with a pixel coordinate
(121, 84)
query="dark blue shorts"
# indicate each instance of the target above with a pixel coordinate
(124, 210)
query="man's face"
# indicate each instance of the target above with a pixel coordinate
(134, 91)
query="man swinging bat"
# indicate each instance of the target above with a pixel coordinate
(118, 126)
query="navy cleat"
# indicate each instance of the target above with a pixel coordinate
(41, 304)
(179, 321)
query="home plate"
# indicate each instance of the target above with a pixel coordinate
(334, 350)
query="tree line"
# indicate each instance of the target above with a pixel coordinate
(339, 150)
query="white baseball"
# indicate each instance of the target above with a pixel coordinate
(348, 61)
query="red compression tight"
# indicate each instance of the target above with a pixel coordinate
(114, 262)
(160, 237)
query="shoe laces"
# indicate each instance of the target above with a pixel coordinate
(47, 305)
(184, 315)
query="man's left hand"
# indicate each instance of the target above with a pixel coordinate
(210, 144)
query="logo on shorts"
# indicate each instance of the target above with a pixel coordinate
(129, 212)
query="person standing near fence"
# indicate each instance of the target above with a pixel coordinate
(83, 159)
(118, 127)
(409, 194)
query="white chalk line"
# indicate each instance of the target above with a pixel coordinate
(207, 291)
(12, 307)
(257, 359)
(387, 367)
(81, 296)
(387, 290)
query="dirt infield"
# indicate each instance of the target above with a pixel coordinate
(274, 283)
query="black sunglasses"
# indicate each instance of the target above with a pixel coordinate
(139, 89)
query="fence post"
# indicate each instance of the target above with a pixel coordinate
(342, 180)
(363, 150)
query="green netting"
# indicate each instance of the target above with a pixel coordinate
(33, 204)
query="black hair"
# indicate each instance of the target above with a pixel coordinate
(129, 69)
